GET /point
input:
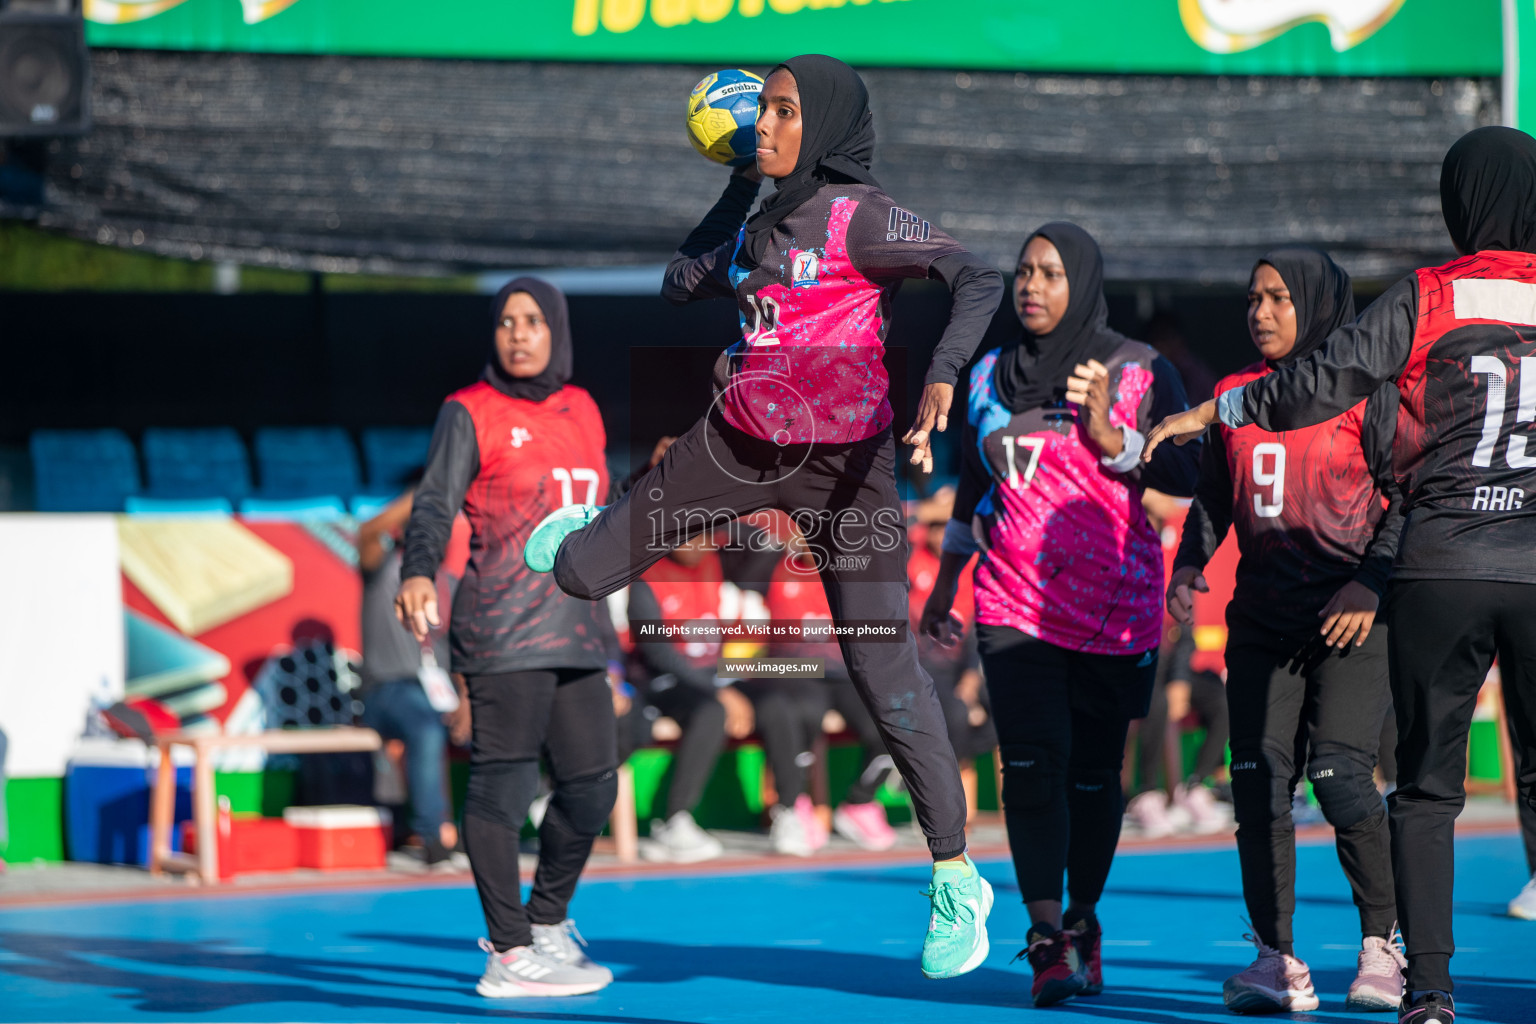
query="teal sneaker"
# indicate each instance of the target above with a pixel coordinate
(545, 540)
(957, 929)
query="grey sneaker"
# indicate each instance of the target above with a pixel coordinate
(523, 971)
(563, 942)
(680, 840)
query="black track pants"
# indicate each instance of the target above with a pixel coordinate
(701, 716)
(789, 714)
(844, 499)
(1062, 718)
(1445, 634)
(564, 716)
(1324, 713)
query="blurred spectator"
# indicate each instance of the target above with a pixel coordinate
(791, 714)
(676, 678)
(397, 672)
(1165, 333)
(956, 670)
(1176, 693)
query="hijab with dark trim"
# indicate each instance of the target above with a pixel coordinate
(837, 143)
(1320, 291)
(1488, 190)
(1033, 372)
(551, 302)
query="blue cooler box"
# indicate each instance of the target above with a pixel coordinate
(107, 786)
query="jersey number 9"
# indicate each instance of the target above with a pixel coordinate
(1272, 478)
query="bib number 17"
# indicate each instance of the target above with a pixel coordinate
(577, 475)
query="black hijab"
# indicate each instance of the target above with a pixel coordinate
(1488, 191)
(1033, 372)
(1320, 292)
(837, 142)
(551, 302)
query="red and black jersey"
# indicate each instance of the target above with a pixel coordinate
(1313, 507)
(1459, 341)
(675, 593)
(795, 594)
(508, 463)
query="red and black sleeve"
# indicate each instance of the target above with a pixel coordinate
(1378, 431)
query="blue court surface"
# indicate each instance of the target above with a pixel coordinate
(805, 944)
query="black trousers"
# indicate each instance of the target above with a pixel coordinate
(701, 716)
(970, 741)
(564, 716)
(789, 715)
(1445, 635)
(1208, 698)
(1293, 704)
(843, 498)
(1062, 718)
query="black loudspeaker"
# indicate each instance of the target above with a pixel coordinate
(44, 74)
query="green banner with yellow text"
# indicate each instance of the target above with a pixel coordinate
(1278, 37)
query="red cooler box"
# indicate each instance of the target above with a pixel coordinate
(341, 837)
(248, 843)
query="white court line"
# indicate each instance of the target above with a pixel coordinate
(1125, 942)
(797, 942)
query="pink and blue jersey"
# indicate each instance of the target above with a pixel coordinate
(1068, 554)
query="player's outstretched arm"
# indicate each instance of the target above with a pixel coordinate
(1181, 428)
(701, 267)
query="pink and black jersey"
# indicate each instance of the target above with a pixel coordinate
(509, 462)
(1313, 508)
(1068, 554)
(815, 312)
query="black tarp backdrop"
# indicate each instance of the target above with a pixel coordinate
(383, 164)
(358, 360)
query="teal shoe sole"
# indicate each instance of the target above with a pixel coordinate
(545, 540)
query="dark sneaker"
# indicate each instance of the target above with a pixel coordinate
(1088, 937)
(1429, 1008)
(1053, 957)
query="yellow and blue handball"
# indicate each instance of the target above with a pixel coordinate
(722, 115)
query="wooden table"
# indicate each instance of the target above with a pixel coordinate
(205, 814)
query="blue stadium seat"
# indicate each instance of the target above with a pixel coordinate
(83, 470)
(392, 453)
(202, 463)
(365, 506)
(303, 462)
(180, 508)
(325, 507)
